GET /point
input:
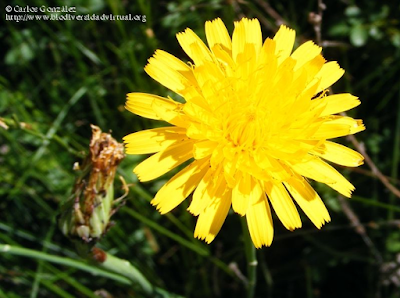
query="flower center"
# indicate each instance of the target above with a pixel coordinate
(244, 129)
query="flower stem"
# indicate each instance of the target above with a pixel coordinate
(251, 258)
(123, 267)
(126, 269)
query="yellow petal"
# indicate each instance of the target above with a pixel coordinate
(194, 47)
(195, 102)
(267, 56)
(224, 57)
(319, 170)
(211, 219)
(153, 140)
(302, 104)
(309, 201)
(271, 164)
(338, 126)
(203, 148)
(329, 74)
(230, 169)
(204, 192)
(305, 53)
(196, 131)
(253, 33)
(142, 104)
(169, 71)
(217, 33)
(249, 165)
(208, 74)
(312, 68)
(339, 103)
(241, 194)
(339, 154)
(284, 75)
(283, 205)
(180, 186)
(238, 39)
(284, 39)
(259, 220)
(246, 37)
(173, 115)
(164, 161)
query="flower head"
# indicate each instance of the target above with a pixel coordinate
(255, 123)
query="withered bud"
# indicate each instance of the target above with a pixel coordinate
(86, 214)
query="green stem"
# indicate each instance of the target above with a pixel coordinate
(38, 255)
(124, 271)
(125, 268)
(193, 246)
(396, 158)
(251, 258)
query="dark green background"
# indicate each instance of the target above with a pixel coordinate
(58, 77)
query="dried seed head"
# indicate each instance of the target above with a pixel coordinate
(86, 214)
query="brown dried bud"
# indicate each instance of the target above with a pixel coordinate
(86, 214)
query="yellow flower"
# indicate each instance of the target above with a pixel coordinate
(255, 124)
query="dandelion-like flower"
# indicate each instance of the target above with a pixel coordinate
(255, 124)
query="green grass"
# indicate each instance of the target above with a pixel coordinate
(57, 78)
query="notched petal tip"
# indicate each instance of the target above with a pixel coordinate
(240, 213)
(199, 236)
(284, 39)
(297, 226)
(216, 20)
(156, 205)
(343, 191)
(209, 238)
(191, 211)
(137, 174)
(326, 221)
(261, 245)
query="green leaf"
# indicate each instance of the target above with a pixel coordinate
(352, 11)
(358, 35)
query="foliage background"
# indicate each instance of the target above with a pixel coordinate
(58, 77)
